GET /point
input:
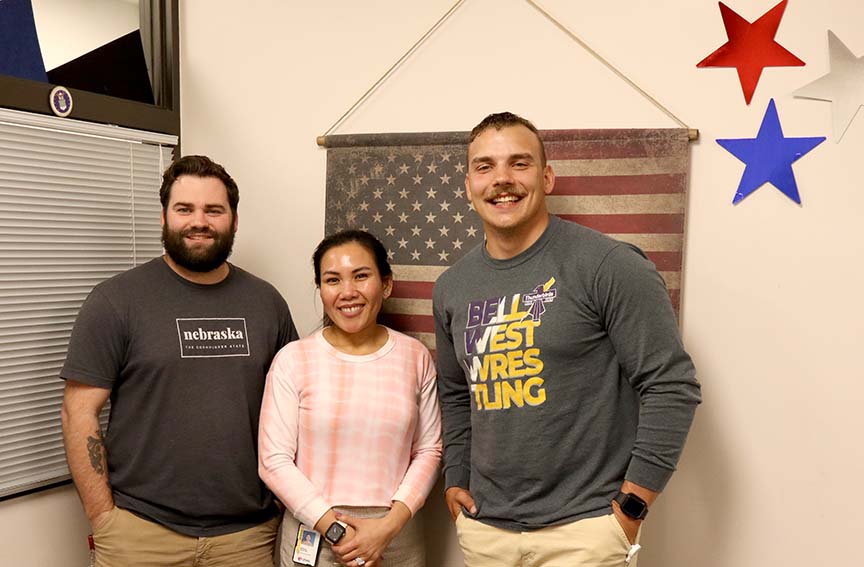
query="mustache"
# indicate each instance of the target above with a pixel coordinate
(509, 190)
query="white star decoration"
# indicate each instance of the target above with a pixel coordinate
(843, 85)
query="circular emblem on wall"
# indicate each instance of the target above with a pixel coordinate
(61, 101)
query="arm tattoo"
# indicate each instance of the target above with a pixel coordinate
(95, 448)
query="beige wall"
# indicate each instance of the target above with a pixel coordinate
(772, 308)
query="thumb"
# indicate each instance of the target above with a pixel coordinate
(467, 500)
(349, 520)
(462, 498)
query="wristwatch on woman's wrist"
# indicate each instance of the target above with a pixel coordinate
(335, 532)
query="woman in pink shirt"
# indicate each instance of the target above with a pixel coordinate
(350, 433)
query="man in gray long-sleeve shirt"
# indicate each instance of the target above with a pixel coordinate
(566, 393)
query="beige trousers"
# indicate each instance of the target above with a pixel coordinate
(406, 549)
(126, 540)
(592, 542)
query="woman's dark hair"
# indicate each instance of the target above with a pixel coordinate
(361, 237)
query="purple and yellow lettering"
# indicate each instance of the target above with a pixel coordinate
(497, 365)
(512, 393)
(490, 310)
(495, 402)
(532, 361)
(475, 313)
(479, 368)
(515, 364)
(477, 395)
(537, 397)
(476, 339)
(529, 326)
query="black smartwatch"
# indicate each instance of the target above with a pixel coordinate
(335, 532)
(632, 506)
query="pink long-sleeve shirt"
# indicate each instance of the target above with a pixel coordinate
(349, 430)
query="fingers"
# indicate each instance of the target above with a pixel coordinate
(350, 520)
(457, 498)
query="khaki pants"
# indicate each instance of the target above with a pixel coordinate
(592, 542)
(126, 540)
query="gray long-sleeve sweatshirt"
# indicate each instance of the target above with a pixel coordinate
(561, 373)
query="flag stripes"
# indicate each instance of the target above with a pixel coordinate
(408, 190)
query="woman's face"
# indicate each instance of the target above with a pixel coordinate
(352, 290)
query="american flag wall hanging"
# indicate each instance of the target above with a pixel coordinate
(409, 191)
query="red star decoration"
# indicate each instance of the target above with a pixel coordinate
(751, 47)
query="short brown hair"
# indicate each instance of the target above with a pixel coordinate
(199, 166)
(501, 120)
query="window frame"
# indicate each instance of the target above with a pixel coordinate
(33, 96)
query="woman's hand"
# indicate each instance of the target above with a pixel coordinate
(371, 536)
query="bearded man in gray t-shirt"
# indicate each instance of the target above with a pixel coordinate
(181, 345)
(566, 394)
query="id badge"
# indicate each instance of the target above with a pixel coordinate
(306, 546)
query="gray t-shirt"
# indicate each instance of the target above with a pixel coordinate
(561, 373)
(186, 365)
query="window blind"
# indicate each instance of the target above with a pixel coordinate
(78, 204)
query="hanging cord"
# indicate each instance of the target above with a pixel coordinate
(390, 71)
(692, 133)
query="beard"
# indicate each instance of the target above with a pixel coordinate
(198, 259)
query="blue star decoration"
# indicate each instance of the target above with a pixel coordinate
(769, 157)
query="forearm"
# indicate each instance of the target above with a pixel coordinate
(642, 327)
(397, 517)
(87, 458)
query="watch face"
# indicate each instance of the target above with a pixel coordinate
(633, 506)
(334, 532)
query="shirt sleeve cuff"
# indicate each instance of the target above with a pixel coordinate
(457, 476)
(411, 500)
(312, 512)
(647, 474)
